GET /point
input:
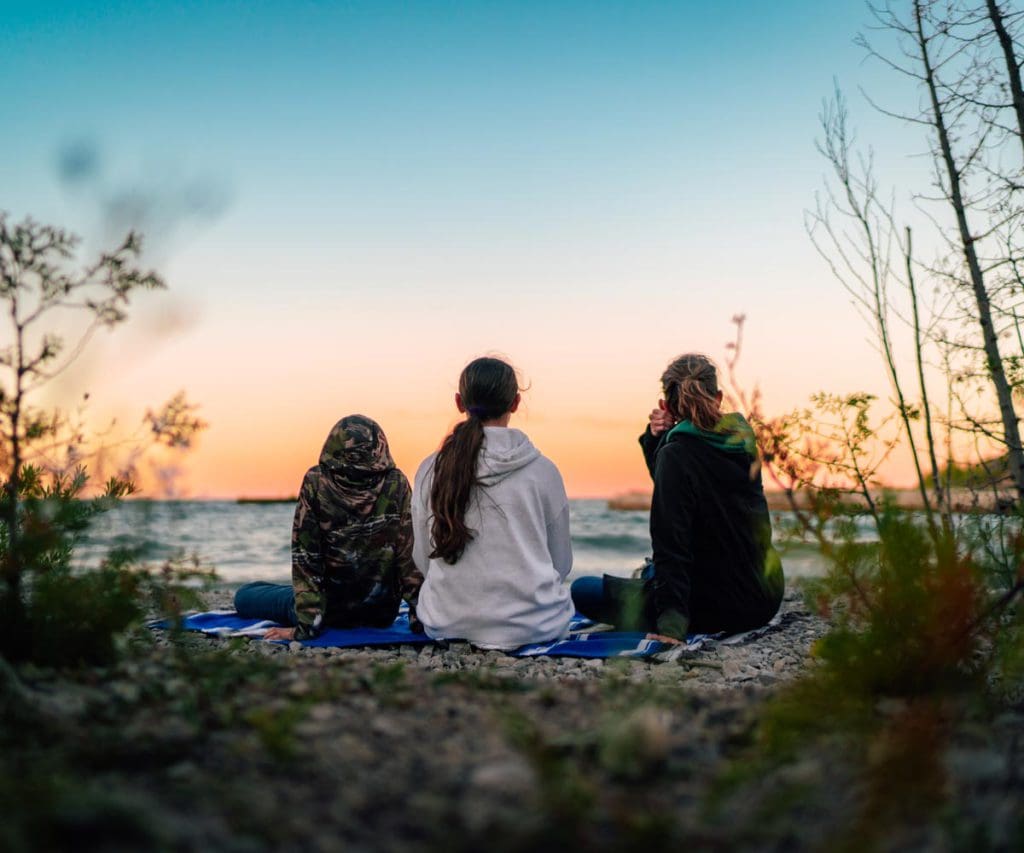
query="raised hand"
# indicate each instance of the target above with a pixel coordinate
(661, 420)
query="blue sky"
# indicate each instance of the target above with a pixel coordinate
(411, 121)
(563, 181)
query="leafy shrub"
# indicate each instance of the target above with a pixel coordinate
(50, 610)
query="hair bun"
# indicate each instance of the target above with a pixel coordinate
(690, 384)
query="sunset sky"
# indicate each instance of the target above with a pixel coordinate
(350, 200)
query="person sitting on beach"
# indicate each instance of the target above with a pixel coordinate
(714, 567)
(351, 542)
(491, 522)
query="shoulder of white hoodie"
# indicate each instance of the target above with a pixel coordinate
(425, 467)
(421, 488)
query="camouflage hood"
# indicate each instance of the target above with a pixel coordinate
(353, 464)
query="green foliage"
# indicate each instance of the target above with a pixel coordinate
(51, 808)
(60, 614)
(276, 728)
(53, 515)
(595, 782)
(70, 773)
(1009, 663)
(52, 611)
(915, 641)
(77, 618)
(926, 607)
(488, 679)
(388, 676)
(568, 794)
(905, 610)
(979, 475)
(635, 747)
(925, 612)
(63, 616)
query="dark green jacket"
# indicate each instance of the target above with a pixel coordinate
(714, 565)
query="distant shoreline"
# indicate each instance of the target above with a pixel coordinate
(209, 500)
(963, 500)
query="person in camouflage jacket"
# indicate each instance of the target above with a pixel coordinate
(351, 542)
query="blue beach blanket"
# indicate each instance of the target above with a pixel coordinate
(581, 642)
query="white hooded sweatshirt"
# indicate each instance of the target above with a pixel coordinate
(508, 587)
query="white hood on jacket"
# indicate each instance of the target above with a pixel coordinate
(503, 451)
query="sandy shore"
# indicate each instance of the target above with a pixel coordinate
(195, 743)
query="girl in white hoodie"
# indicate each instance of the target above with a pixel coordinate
(491, 525)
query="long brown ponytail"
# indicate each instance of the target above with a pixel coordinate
(488, 388)
(690, 385)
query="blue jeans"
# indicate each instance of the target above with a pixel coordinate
(262, 600)
(588, 597)
(621, 602)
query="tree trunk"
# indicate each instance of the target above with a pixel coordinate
(940, 497)
(14, 634)
(1012, 68)
(1004, 395)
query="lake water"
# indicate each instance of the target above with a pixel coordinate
(245, 542)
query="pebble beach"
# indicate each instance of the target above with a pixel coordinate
(197, 743)
(771, 658)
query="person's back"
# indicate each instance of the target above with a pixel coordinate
(491, 526)
(351, 542)
(348, 561)
(713, 567)
(724, 569)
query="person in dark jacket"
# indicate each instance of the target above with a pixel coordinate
(351, 542)
(713, 567)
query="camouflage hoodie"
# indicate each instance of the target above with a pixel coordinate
(352, 534)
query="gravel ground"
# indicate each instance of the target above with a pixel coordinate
(195, 743)
(772, 658)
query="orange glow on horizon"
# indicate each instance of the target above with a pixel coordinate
(602, 464)
(271, 390)
(221, 468)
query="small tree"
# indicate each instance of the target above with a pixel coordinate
(925, 606)
(42, 511)
(961, 55)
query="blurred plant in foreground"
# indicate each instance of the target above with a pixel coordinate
(926, 628)
(925, 597)
(50, 611)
